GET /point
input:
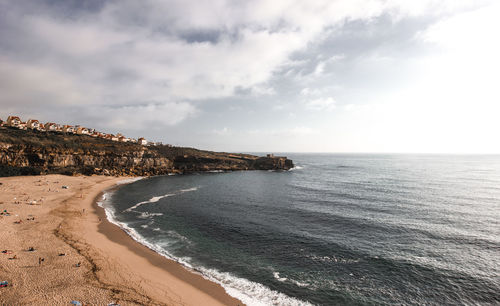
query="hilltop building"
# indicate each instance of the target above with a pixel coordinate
(50, 127)
(34, 124)
(68, 129)
(82, 131)
(13, 121)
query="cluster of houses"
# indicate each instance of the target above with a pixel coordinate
(33, 124)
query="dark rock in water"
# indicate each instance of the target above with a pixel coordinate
(34, 153)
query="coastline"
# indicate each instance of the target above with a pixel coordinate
(113, 266)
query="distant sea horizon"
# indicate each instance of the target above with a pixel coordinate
(362, 153)
(339, 228)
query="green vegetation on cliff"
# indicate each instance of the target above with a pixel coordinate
(29, 152)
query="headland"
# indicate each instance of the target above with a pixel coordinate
(33, 152)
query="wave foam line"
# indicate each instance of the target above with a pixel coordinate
(157, 198)
(130, 180)
(250, 293)
(152, 200)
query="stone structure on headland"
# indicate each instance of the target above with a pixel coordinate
(31, 152)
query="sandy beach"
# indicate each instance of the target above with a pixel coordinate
(58, 247)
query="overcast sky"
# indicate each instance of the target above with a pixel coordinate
(282, 76)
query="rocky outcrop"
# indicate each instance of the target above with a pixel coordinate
(30, 153)
(275, 162)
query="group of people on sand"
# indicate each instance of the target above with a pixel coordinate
(40, 259)
(29, 249)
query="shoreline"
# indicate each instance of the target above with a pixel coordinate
(117, 234)
(85, 256)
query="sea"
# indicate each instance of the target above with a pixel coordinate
(338, 229)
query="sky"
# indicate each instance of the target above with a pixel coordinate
(260, 76)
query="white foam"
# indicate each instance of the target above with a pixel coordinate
(157, 198)
(296, 168)
(299, 283)
(152, 200)
(146, 215)
(129, 180)
(188, 190)
(284, 279)
(277, 276)
(250, 293)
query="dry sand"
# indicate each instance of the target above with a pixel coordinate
(112, 266)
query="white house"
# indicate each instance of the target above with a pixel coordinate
(68, 129)
(33, 124)
(14, 121)
(82, 131)
(142, 141)
(50, 127)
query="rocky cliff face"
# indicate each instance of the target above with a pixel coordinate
(29, 152)
(33, 160)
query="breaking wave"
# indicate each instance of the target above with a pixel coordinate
(157, 198)
(249, 292)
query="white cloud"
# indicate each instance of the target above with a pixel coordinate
(221, 132)
(24, 85)
(296, 131)
(318, 92)
(468, 32)
(321, 104)
(351, 107)
(136, 117)
(302, 131)
(146, 40)
(142, 64)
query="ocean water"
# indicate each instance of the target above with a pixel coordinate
(335, 230)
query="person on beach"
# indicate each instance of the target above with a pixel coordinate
(40, 260)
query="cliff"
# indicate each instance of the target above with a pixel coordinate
(27, 152)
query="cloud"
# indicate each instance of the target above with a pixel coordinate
(296, 131)
(170, 49)
(30, 85)
(152, 64)
(301, 131)
(221, 132)
(466, 32)
(321, 104)
(135, 117)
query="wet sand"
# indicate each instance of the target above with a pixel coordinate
(101, 263)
